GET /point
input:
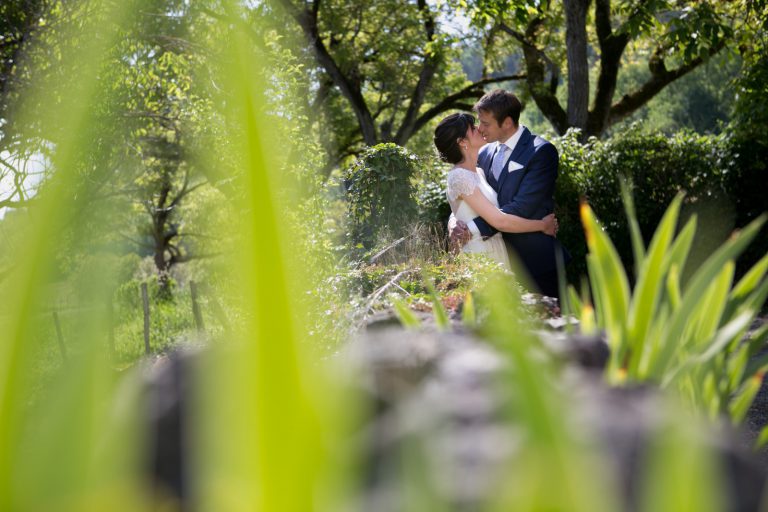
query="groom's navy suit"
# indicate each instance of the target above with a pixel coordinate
(527, 191)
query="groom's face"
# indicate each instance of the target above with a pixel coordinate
(489, 127)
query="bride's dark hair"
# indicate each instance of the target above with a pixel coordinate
(448, 133)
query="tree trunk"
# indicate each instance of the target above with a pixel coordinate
(536, 69)
(578, 67)
(612, 47)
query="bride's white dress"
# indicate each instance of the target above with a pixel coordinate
(462, 182)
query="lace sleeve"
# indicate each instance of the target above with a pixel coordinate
(461, 183)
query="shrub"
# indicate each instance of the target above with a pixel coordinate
(430, 193)
(683, 336)
(380, 193)
(744, 183)
(659, 167)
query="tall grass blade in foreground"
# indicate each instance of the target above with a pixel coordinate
(687, 337)
(264, 437)
(59, 448)
(551, 452)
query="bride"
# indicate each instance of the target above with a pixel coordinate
(469, 194)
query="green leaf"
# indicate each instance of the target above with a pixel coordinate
(634, 227)
(749, 292)
(710, 308)
(722, 339)
(609, 282)
(678, 254)
(442, 321)
(650, 283)
(739, 405)
(406, 316)
(692, 296)
(762, 439)
(468, 314)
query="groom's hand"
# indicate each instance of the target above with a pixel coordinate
(458, 234)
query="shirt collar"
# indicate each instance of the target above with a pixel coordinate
(512, 141)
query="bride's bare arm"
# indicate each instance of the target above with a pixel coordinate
(505, 222)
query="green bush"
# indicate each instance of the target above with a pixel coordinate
(430, 191)
(380, 193)
(689, 337)
(745, 185)
(720, 188)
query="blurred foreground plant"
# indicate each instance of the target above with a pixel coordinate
(689, 336)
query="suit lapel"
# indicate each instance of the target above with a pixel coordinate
(487, 169)
(522, 144)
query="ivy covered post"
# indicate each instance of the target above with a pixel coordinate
(381, 196)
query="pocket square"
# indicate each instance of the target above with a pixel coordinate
(514, 166)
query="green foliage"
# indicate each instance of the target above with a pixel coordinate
(701, 101)
(666, 40)
(750, 116)
(659, 167)
(380, 193)
(369, 89)
(687, 336)
(743, 183)
(433, 207)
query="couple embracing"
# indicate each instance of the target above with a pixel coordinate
(501, 188)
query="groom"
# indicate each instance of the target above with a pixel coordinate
(522, 168)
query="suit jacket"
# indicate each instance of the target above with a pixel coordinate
(527, 192)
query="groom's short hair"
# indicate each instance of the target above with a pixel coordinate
(501, 104)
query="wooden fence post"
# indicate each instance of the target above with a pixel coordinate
(196, 308)
(145, 300)
(217, 310)
(60, 337)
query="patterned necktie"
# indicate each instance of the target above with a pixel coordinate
(498, 161)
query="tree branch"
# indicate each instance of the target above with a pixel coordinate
(612, 46)
(307, 20)
(536, 63)
(474, 90)
(428, 68)
(660, 78)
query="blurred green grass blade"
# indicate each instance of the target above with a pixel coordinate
(717, 344)
(744, 397)
(753, 301)
(442, 322)
(674, 295)
(710, 308)
(757, 339)
(762, 439)
(736, 365)
(269, 453)
(598, 292)
(56, 452)
(650, 283)
(751, 279)
(552, 455)
(733, 330)
(697, 286)
(609, 283)
(681, 247)
(406, 316)
(681, 474)
(638, 248)
(468, 313)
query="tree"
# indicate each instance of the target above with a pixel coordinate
(154, 80)
(674, 37)
(21, 22)
(390, 64)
